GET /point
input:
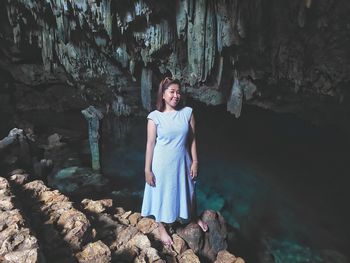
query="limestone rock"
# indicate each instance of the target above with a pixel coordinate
(124, 235)
(225, 257)
(193, 235)
(6, 203)
(126, 254)
(4, 186)
(35, 188)
(28, 256)
(15, 238)
(188, 257)
(239, 260)
(54, 140)
(19, 178)
(146, 225)
(96, 252)
(152, 255)
(98, 206)
(134, 218)
(11, 218)
(75, 227)
(179, 244)
(140, 241)
(215, 237)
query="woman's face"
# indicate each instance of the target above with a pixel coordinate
(172, 95)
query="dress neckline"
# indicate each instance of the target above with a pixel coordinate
(169, 112)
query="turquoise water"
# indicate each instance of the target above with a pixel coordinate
(279, 180)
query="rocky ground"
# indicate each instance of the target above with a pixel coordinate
(39, 224)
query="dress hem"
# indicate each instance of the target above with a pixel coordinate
(163, 221)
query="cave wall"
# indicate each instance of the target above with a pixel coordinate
(267, 52)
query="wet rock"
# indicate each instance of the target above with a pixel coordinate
(54, 140)
(216, 237)
(98, 206)
(193, 235)
(79, 181)
(188, 257)
(96, 252)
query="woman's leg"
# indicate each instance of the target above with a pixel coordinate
(194, 216)
(164, 236)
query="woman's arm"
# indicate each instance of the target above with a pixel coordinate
(193, 146)
(151, 141)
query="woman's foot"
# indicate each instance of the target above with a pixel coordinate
(164, 236)
(203, 225)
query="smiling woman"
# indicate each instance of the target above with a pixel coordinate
(171, 162)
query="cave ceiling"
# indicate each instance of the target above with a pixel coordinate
(274, 54)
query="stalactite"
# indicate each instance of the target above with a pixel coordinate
(190, 10)
(154, 38)
(146, 87)
(173, 66)
(196, 43)
(120, 108)
(210, 41)
(248, 87)
(226, 17)
(47, 47)
(141, 8)
(234, 104)
(219, 71)
(301, 14)
(16, 34)
(181, 19)
(308, 3)
(122, 56)
(107, 16)
(240, 23)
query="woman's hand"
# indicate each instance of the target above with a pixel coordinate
(150, 179)
(194, 169)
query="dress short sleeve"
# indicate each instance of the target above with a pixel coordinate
(154, 117)
(188, 113)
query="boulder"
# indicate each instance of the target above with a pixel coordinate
(146, 225)
(96, 252)
(193, 235)
(98, 206)
(225, 257)
(188, 257)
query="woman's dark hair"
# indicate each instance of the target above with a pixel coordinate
(164, 84)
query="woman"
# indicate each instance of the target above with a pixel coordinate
(171, 162)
